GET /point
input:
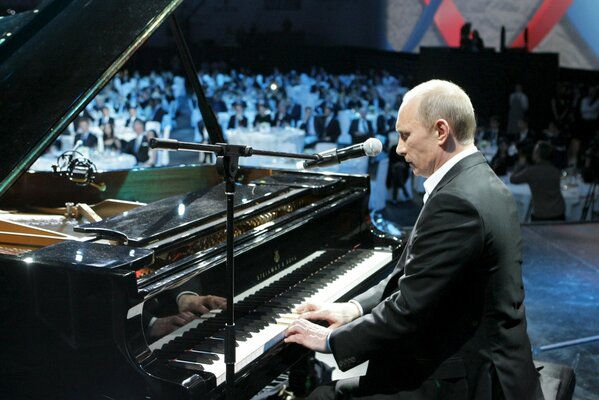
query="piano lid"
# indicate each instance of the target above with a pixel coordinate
(58, 59)
(178, 213)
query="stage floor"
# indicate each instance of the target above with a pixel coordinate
(561, 277)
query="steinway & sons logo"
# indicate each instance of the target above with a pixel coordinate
(279, 264)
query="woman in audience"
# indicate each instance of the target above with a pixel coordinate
(111, 142)
(502, 162)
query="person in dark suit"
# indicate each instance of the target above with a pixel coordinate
(139, 147)
(327, 125)
(544, 180)
(282, 118)
(238, 120)
(84, 135)
(263, 116)
(360, 128)
(449, 321)
(105, 118)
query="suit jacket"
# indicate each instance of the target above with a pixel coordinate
(452, 311)
(90, 141)
(327, 132)
(243, 123)
(142, 154)
(354, 128)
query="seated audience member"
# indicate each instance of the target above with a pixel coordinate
(544, 181)
(502, 161)
(328, 126)
(132, 110)
(385, 122)
(139, 146)
(239, 120)
(152, 153)
(308, 125)
(157, 112)
(217, 103)
(110, 141)
(282, 118)
(360, 128)
(105, 118)
(397, 176)
(84, 135)
(493, 133)
(556, 139)
(263, 116)
(525, 140)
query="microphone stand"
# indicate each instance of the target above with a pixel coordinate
(227, 164)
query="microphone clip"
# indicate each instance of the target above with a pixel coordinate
(78, 169)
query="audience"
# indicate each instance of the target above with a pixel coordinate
(338, 108)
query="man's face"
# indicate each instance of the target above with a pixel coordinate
(83, 126)
(138, 127)
(417, 143)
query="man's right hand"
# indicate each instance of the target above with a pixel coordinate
(336, 314)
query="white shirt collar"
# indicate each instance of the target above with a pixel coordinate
(432, 181)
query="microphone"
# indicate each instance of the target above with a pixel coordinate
(371, 148)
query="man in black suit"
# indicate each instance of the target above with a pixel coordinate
(105, 118)
(327, 125)
(238, 120)
(139, 147)
(360, 128)
(449, 321)
(84, 135)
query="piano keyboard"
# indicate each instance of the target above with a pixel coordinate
(267, 310)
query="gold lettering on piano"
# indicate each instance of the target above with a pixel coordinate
(276, 268)
(218, 237)
(277, 257)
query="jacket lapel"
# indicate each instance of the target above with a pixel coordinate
(468, 162)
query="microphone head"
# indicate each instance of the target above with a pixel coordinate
(372, 147)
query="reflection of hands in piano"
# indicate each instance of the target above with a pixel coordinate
(336, 314)
(201, 304)
(308, 334)
(165, 325)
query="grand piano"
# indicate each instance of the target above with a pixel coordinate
(81, 291)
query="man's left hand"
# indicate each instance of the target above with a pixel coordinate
(308, 334)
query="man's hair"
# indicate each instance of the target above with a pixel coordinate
(544, 150)
(446, 100)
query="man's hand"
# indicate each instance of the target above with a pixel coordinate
(336, 314)
(163, 326)
(308, 334)
(201, 304)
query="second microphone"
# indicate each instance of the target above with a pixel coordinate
(371, 148)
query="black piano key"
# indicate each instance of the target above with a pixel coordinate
(210, 356)
(186, 364)
(195, 357)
